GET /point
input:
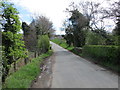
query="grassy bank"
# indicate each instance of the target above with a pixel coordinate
(23, 77)
(62, 43)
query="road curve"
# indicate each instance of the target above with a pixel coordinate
(72, 71)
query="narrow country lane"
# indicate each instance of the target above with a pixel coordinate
(72, 71)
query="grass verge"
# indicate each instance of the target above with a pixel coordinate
(62, 43)
(23, 77)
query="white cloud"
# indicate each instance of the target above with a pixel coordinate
(53, 9)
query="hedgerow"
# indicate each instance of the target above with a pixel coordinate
(107, 56)
(102, 53)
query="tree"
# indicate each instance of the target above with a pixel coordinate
(78, 22)
(38, 27)
(29, 37)
(116, 13)
(113, 12)
(69, 35)
(43, 26)
(84, 17)
(13, 46)
(91, 11)
(25, 28)
(87, 17)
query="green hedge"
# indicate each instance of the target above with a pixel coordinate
(102, 53)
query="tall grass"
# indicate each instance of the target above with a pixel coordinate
(23, 77)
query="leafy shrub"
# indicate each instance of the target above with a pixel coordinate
(94, 39)
(116, 40)
(102, 53)
(43, 43)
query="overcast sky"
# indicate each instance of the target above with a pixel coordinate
(53, 9)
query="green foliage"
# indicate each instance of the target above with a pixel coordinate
(100, 37)
(42, 26)
(103, 54)
(94, 39)
(10, 16)
(24, 77)
(13, 46)
(108, 53)
(56, 40)
(69, 35)
(116, 39)
(39, 26)
(16, 49)
(43, 43)
(75, 30)
(62, 43)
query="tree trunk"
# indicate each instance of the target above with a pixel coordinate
(25, 60)
(35, 54)
(14, 64)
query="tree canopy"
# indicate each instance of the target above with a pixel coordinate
(13, 46)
